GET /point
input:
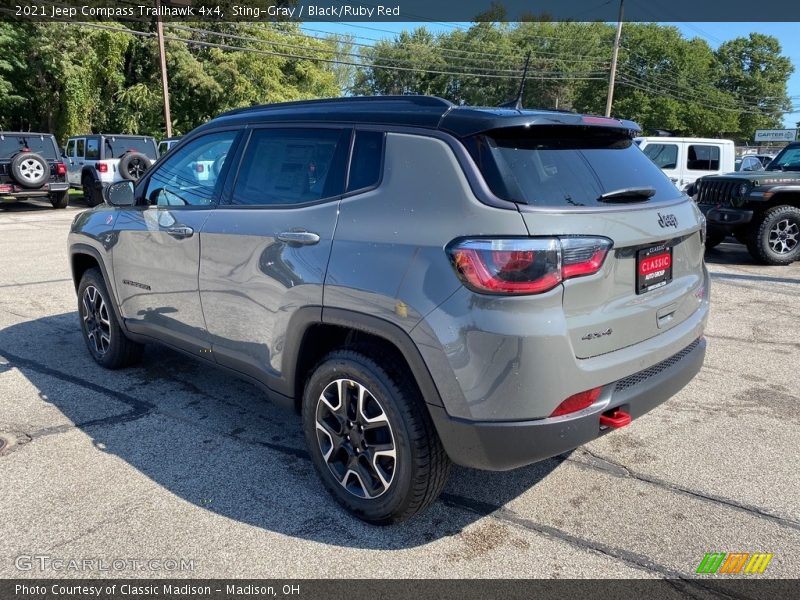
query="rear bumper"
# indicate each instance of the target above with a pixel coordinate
(42, 192)
(500, 446)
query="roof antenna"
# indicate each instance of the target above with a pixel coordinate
(516, 103)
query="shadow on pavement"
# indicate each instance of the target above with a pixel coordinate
(39, 204)
(216, 442)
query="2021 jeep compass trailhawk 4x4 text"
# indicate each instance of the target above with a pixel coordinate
(425, 283)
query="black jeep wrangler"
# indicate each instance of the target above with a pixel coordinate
(30, 167)
(761, 209)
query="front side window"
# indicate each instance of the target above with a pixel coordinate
(191, 176)
(70, 149)
(702, 158)
(292, 166)
(81, 146)
(664, 155)
(787, 160)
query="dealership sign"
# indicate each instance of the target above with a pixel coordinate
(776, 135)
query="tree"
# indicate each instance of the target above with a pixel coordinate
(753, 72)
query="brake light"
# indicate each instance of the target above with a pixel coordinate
(61, 169)
(199, 167)
(577, 402)
(592, 120)
(102, 167)
(525, 265)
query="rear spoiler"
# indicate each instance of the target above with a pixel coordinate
(465, 123)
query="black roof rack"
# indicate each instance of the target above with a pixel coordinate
(428, 112)
(415, 100)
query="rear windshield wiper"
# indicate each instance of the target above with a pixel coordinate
(628, 195)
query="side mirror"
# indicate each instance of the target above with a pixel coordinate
(119, 194)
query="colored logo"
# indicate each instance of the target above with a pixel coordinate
(733, 563)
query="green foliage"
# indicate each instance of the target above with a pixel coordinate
(664, 81)
(69, 79)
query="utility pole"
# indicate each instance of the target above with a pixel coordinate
(613, 75)
(162, 57)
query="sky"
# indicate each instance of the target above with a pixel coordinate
(713, 33)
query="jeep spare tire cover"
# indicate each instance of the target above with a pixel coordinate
(29, 169)
(133, 165)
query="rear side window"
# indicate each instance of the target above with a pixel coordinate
(702, 158)
(559, 166)
(93, 149)
(292, 166)
(40, 144)
(664, 155)
(365, 166)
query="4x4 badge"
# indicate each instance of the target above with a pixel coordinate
(669, 220)
(597, 334)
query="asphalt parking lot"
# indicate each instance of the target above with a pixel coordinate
(172, 460)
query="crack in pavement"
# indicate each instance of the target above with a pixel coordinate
(619, 470)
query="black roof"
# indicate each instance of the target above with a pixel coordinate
(411, 111)
(27, 133)
(114, 135)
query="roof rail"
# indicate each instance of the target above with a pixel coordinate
(416, 100)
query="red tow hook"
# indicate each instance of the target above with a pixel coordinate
(615, 418)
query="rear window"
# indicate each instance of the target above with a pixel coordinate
(116, 146)
(565, 166)
(41, 144)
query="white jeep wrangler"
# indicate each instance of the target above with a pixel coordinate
(95, 161)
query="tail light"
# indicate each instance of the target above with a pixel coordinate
(61, 169)
(518, 266)
(577, 402)
(199, 167)
(102, 167)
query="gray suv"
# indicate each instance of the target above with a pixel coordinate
(423, 282)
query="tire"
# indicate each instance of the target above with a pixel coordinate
(90, 194)
(30, 170)
(59, 199)
(714, 239)
(104, 338)
(133, 165)
(775, 238)
(396, 487)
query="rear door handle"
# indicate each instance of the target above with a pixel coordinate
(300, 238)
(181, 232)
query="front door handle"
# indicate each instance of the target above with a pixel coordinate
(300, 238)
(181, 232)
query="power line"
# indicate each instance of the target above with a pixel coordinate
(190, 41)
